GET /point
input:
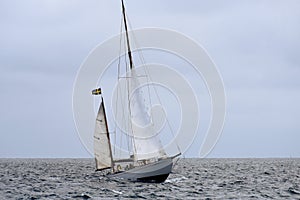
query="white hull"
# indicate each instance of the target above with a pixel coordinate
(154, 172)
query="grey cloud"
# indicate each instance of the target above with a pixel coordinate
(255, 44)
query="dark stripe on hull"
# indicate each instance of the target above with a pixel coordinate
(153, 179)
(155, 172)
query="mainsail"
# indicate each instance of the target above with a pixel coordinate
(146, 142)
(102, 147)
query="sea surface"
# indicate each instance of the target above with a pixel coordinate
(191, 179)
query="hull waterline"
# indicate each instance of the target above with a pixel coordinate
(155, 172)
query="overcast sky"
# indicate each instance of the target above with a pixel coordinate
(254, 43)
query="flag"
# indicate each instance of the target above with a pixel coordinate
(96, 91)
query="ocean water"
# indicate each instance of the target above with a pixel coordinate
(191, 179)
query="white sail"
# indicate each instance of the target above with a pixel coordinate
(146, 142)
(102, 148)
(135, 116)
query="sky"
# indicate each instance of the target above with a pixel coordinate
(254, 43)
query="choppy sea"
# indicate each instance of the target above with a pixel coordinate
(190, 179)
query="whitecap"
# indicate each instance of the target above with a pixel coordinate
(176, 180)
(117, 192)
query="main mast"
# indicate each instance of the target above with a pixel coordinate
(127, 36)
(131, 65)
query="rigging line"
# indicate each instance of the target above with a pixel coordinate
(127, 135)
(141, 56)
(147, 72)
(123, 108)
(130, 129)
(129, 113)
(115, 136)
(119, 90)
(142, 59)
(131, 67)
(120, 50)
(176, 161)
(123, 114)
(129, 126)
(116, 106)
(136, 42)
(155, 90)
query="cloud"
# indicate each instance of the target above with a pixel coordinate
(255, 44)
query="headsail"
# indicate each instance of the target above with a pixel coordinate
(102, 146)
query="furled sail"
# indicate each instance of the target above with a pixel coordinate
(146, 142)
(102, 147)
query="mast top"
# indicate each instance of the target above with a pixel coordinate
(127, 36)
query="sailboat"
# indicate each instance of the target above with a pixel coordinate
(148, 162)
